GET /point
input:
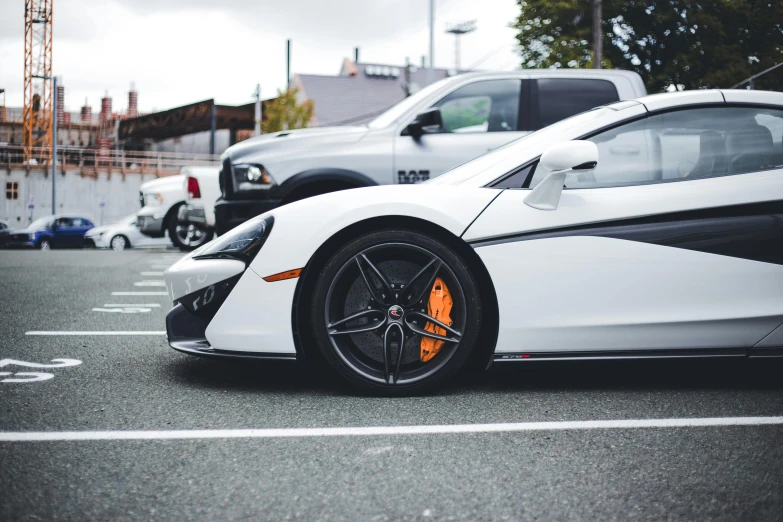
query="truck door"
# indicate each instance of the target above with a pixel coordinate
(477, 118)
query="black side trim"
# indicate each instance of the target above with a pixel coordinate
(201, 348)
(753, 231)
(624, 354)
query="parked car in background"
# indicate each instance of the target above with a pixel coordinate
(4, 229)
(160, 201)
(122, 235)
(59, 231)
(441, 126)
(197, 215)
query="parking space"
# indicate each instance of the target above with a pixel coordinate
(698, 439)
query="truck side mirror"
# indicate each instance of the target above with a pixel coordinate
(560, 160)
(427, 121)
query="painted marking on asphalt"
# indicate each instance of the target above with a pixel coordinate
(124, 310)
(151, 273)
(143, 305)
(139, 293)
(24, 377)
(71, 332)
(39, 436)
(150, 283)
(159, 267)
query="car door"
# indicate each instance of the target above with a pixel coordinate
(673, 242)
(477, 118)
(63, 234)
(80, 227)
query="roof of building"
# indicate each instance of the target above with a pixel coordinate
(360, 92)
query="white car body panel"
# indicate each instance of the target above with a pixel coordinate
(302, 227)
(719, 301)
(170, 188)
(238, 326)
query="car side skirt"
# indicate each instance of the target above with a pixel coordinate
(635, 354)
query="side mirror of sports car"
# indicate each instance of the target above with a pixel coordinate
(560, 160)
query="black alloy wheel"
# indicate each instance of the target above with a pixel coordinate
(371, 308)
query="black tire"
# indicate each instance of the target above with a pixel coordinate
(44, 244)
(187, 238)
(403, 258)
(122, 242)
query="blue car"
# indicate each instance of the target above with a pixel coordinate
(52, 232)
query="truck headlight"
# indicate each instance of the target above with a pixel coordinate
(241, 243)
(248, 176)
(31, 236)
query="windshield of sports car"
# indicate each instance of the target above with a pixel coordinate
(391, 115)
(515, 149)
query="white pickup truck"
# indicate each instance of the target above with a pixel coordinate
(163, 204)
(441, 126)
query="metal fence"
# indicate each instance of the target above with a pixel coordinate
(91, 162)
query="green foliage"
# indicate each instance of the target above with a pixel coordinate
(284, 113)
(694, 43)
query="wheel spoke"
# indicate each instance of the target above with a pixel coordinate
(391, 370)
(383, 294)
(456, 336)
(331, 328)
(421, 283)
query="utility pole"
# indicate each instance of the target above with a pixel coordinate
(430, 70)
(458, 30)
(54, 145)
(598, 42)
(288, 64)
(257, 94)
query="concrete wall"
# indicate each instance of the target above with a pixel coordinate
(75, 194)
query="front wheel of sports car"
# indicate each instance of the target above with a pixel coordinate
(396, 312)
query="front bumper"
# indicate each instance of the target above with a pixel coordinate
(191, 214)
(20, 242)
(150, 225)
(230, 213)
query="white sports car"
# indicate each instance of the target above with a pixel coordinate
(645, 228)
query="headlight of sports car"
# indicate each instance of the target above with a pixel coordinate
(249, 177)
(241, 243)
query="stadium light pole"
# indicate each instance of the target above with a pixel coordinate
(430, 70)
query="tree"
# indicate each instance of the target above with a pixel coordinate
(693, 43)
(285, 113)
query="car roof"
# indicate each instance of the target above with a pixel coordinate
(667, 100)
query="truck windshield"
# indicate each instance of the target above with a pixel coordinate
(391, 115)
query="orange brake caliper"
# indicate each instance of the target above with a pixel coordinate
(438, 307)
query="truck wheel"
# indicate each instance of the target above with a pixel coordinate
(187, 236)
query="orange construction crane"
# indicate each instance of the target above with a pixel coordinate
(37, 113)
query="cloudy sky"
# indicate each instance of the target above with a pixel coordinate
(181, 51)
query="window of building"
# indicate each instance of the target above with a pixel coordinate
(11, 190)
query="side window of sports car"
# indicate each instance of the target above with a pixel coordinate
(684, 145)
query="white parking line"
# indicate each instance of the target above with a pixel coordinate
(72, 332)
(150, 283)
(159, 267)
(139, 293)
(33, 436)
(140, 305)
(151, 273)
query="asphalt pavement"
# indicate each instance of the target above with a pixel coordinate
(133, 382)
